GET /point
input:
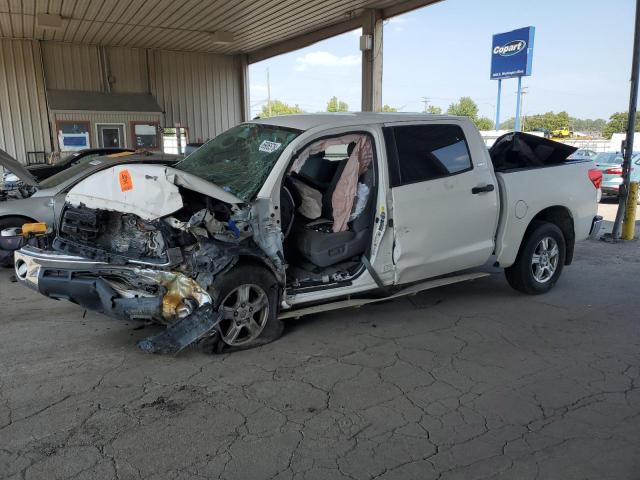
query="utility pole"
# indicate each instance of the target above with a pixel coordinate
(426, 101)
(623, 192)
(268, 93)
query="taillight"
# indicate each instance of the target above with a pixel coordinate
(614, 171)
(595, 176)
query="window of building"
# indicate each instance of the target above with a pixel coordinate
(145, 135)
(73, 135)
(424, 152)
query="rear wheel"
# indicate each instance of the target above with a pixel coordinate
(540, 260)
(247, 296)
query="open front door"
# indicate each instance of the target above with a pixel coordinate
(445, 204)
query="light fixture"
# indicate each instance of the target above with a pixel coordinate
(47, 20)
(366, 42)
(221, 37)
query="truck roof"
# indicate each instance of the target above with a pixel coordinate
(311, 120)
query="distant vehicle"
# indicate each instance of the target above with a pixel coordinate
(583, 154)
(610, 164)
(561, 133)
(544, 131)
(30, 201)
(42, 171)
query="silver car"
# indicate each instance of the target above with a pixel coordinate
(30, 201)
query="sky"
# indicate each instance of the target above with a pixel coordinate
(581, 60)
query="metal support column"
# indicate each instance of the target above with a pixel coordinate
(372, 62)
(631, 128)
(518, 100)
(497, 126)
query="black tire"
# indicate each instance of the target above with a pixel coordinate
(521, 274)
(226, 286)
(10, 222)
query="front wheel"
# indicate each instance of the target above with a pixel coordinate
(540, 260)
(247, 296)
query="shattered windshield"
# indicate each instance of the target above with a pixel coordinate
(240, 159)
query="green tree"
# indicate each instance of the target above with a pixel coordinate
(465, 107)
(509, 124)
(588, 125)
(279, 108)
(484, 123)
(388, 108)
(618, 124)
(433, 110)
(335, 105)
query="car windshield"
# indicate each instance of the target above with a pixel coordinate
(68, 173)
(614, 158)
(240, 159)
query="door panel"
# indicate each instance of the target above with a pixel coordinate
(441, 227)
(443, 222)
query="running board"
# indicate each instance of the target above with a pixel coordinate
(358, 302)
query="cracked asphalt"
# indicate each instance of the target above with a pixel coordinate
(468, 381)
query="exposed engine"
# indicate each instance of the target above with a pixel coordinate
(124, 235)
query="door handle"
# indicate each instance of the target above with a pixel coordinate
(482, 189)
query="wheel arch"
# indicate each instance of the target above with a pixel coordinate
(260, 261)
(24, 218)
(561, 217)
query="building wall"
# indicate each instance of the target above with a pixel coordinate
(72, 67)
(202, 92)
(24, 126)
(196, 90)
(128, 69)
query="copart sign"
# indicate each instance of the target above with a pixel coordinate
(512, 53)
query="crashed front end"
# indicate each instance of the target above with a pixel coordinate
(145, 243)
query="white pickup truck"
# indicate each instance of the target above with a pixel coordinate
(291, 215)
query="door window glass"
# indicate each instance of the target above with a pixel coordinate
(424, 152)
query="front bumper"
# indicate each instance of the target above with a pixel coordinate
(124, 292)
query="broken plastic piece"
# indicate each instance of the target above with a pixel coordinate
(182, 333)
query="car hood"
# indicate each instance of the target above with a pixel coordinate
(149, 191)
(20, 171)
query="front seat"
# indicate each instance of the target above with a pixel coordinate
(317, 242)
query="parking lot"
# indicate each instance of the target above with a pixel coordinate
(467, 381)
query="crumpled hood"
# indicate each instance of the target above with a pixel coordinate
(148, 191)
(19, 170)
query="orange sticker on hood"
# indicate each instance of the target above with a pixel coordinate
(126, 183)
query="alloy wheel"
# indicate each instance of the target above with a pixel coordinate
(245, 312)
(544, 261)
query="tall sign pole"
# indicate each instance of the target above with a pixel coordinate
(512, 57)
(497, 127)
(518, 101)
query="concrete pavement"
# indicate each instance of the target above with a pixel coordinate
(468, 381)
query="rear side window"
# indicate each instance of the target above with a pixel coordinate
(418, 153)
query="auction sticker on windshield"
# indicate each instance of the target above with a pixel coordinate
(269, 147)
